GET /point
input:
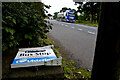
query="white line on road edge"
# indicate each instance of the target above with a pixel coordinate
(91, 32)
(80, 29)
(86, 26)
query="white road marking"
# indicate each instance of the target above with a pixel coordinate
(72, 27)
(66, 25)
(91, 32)
(86, 26)
(80, 29)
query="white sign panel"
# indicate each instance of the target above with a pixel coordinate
(34, 55)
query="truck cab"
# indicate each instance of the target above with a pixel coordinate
(69, 16)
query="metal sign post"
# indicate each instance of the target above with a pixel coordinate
(37, 56)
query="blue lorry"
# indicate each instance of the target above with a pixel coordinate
(68, 16)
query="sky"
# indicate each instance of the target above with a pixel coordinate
(57, 5)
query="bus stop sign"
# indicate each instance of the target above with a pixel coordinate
(37, 56)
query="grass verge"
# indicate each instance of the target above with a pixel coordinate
(87, 23)
(70, 72)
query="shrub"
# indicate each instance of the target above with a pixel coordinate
(23, 25)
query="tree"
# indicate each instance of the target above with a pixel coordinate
(106, 64)
(23, 25)
(64, 9)
(90, 9)
(55, 15)
(49, 15)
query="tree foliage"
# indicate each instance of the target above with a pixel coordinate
(55, 15)
(90, 10)
(64, 9)
(49, 15)
(23, 25)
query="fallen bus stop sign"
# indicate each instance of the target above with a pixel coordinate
(37, 56)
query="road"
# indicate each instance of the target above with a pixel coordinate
(77, 39)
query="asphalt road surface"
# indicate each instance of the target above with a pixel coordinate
(79, 40)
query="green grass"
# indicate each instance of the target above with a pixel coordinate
(87, 23)
(70, 72)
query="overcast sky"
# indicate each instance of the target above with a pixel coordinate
(57, 5)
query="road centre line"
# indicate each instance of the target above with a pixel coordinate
(91, 32)
(72, 27)
(80, 29)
